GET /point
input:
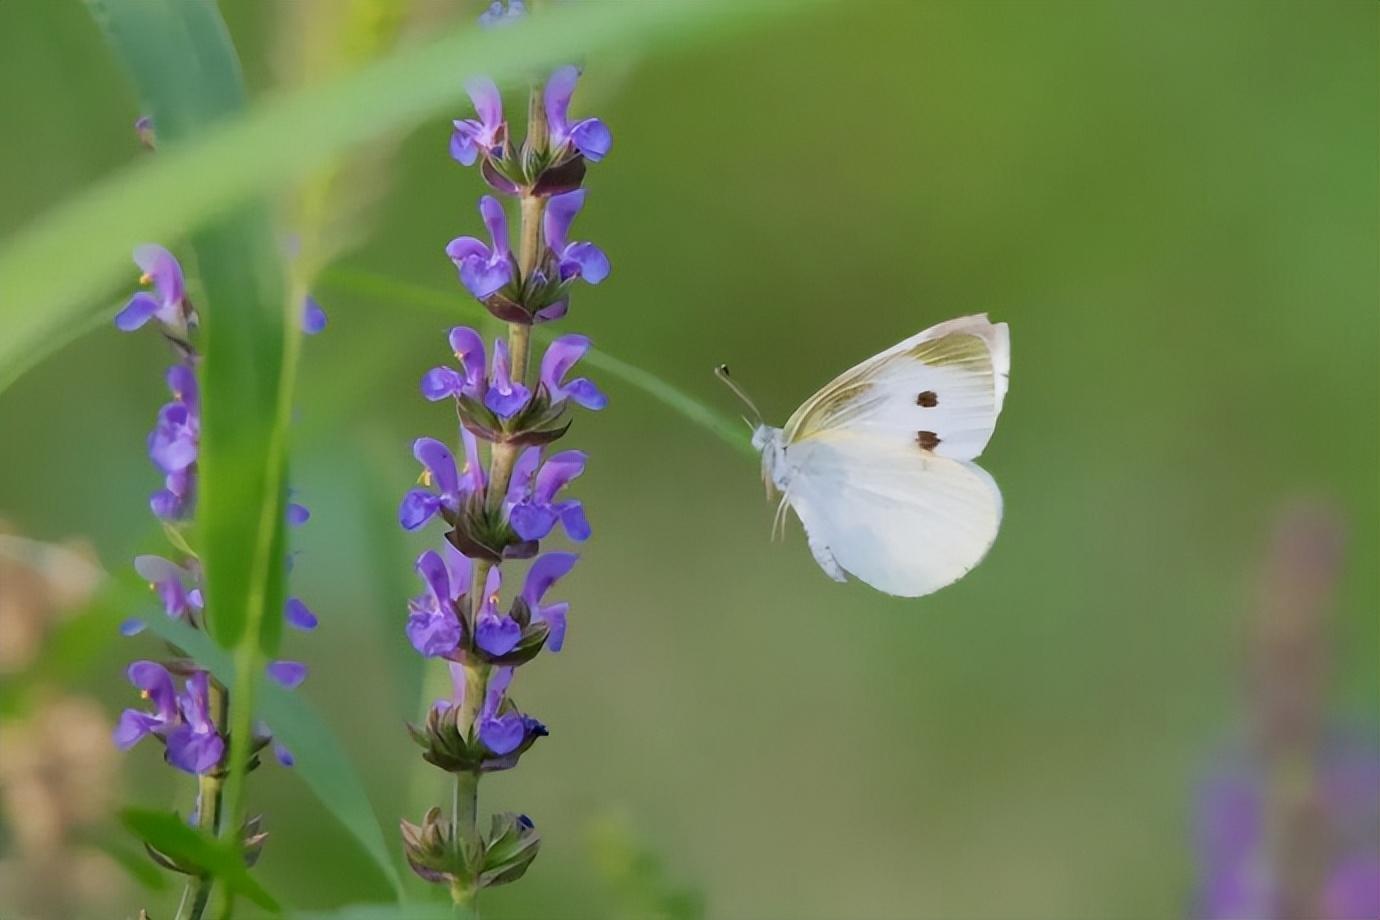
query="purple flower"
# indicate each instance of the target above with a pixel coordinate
(289, 674)
(534, 511)
(484, 269)
(440, 382)
(494, 632)
(170, 581)
(486, 135)
(297, 514)
(420, 505)
(195, 746)
(155, 685)
(433, 627)
(502, 733)
(173, 442)
(143, 127)
(505, 396)
(174, 501)
(298, 615)
(590, 136)
(500, 14)
(560, 357)
(167, 301)
(313, 317)
(1353, 888)
(544, 573)
(576, 260)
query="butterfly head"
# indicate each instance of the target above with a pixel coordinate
(772, 443)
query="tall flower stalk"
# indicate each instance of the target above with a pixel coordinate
(499, 513)
(190, 721)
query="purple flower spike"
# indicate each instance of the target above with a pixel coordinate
(313, 317)
(505, 396)
(485, 135)
(544, 573)
(195, 746)
(289, 674)
(298, 615)
(484, 269)
(166, 302)
(560, 357)
(155, 685)
(590, 136)
(576, 260)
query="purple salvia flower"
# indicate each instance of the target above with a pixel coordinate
(590, 136)
(170, 581)
(545, 572)
(433, 627)
(176, 435)
(313, 317)
(576, 260)
(174, 501)
(420, 505)
(484, 269)
(289, 674)
(505, 396)
(195, 746)
(535, 512)
(440, 382)
(298, 615)
(500, 13)
(501, 734)
(166, 302)
(495, 632)
(485, 135)
(560, 357)
(155, 685)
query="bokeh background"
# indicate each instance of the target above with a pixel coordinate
(1175, 208)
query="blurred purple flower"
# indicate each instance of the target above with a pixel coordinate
(500, 13)
(313, 317)
(298, 615)
(575, 260)
(484, 269)
(560, 357)
(166, 302)
(289, 674)
(485, 135)
(174, 585)
(155, 685)
(589, 136)
(195, 746)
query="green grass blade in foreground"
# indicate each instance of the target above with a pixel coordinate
(171, 835)
(160, 197)
(321, 763)
(456, 307)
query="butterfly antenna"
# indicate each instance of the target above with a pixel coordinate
(722, 373)
(778, 524)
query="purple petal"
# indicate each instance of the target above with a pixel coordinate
(503, 735)
(488, 103)
(505, 396)
(196, 701)
(417, 507)
(498, 687)
(433, 570)
(297, 514)
(497, 634)
(553, 311)
(559, 88)
(163, 270)
(284, 755)
(468, 347)
(585, 393)
(585, 260)
(572, 515)
(520, 485)
(464, 146)
(440, 382)
(194, 751)
(497, 223)
(560, 357)
(482, 279)
(472, 477)
(560, 211)
(313, 317)
(298, 615)
(156, 685)
(554, 618)
(557, 473)
(438, 459)
(140, 309)
(182, 384)
(155, 569)
(132, 727)
(1353, 888)
(531, 521)
(132, 627)
(289, 674)
(592, 138)
(433, 633)
(458, 567)
(545, 572)
(467, 247)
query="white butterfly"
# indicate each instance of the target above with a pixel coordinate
(878, 464)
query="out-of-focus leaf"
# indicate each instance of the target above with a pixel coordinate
(43, 300)
(321, 763)
(167, 832)
(387, 912)
(136, 865)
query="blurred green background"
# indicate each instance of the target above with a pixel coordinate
(1175, 208)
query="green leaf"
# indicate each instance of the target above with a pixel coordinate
(43, 300)
(137, 866)
(167, 832)
(320, 761)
